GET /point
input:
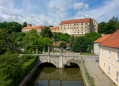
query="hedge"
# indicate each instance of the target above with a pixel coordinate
(25, 62)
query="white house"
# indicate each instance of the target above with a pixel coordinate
(96, 42)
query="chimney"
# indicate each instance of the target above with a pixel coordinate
(29, 25)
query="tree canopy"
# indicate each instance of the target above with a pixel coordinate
(62, 37)
(110, 27)
(63, 45)
(93, 36)
(46, 32)
(81, 43)
(32, 41)
(12, 26)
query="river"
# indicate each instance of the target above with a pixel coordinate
(51, 76)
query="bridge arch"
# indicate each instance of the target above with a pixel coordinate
(75, 61)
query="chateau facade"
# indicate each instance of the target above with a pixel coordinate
(76, 27)
(30, 27)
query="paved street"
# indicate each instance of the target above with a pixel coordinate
(99, 77)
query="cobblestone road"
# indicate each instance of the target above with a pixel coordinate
(99, 77)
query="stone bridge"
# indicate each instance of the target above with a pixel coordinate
(59, 60)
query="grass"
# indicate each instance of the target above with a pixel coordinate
(86, 53)
(89, 77)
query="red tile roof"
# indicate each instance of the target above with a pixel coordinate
(33, 27)
(58, 43)
(111, 41)
(57, 27)
(102, 38)
(75, 21)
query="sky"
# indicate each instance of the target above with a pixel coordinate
(52, 12)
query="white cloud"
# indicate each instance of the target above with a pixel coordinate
(55, 7)
(102, 13)
(79, 6)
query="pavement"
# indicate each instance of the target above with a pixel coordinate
(98, 76)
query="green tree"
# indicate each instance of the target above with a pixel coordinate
(93, 35)
(81, 43)
(57, 36)
(71, 41)
(7, 41)
(33, 41)
(63, 45)
(10, 69)
(101, 27)
(65, 37)
(110, 27)
(24, 24)
(46, 32)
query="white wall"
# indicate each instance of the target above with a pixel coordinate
(96, 48)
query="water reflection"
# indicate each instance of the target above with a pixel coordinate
(50, 76)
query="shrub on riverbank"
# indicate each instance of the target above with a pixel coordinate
(14, 68)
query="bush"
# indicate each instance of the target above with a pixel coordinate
(63, 45)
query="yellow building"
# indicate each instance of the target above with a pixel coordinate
(30, 27)
(109, 56)
(78, 27)
(54, 29)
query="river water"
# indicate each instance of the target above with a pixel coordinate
(51, 76)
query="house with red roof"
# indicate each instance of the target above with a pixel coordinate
(54, 29)
(30, 27)
(58, 43)
(78, 27)
(99, 40)
(109, 56)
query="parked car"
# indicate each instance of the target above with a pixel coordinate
(67, 48)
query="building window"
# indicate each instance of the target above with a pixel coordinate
(81, 27)
(117, 76)
(70, 24)
(77, 27)
(81, 23)
(102, 51)
(61, 28)
(64, 25)
(109, 53)
(86, 23)
(64, 28)
(77, 24)
(117, 56)
(61, 25)
(104, 64)
(78, 32)
(70, 27)
(108, 69)
(74, 27)
(55, 29)
(74, 24)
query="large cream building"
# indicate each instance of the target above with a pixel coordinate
(109, 56)
(30, 27)
(79, 27)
